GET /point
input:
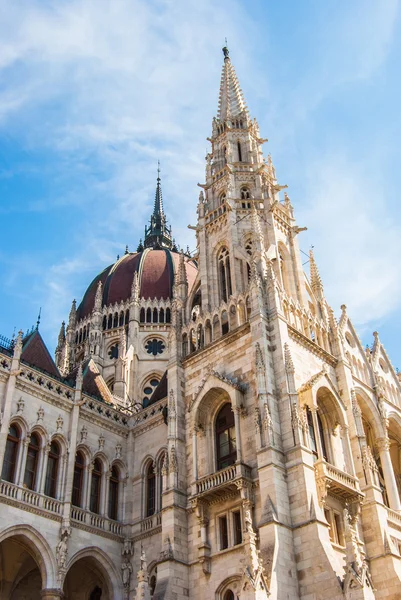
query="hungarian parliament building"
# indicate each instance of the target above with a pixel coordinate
(208, 429)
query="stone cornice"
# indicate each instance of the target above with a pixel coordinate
(299, 337)
(232, 336)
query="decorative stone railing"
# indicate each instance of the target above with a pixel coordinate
(26, 497)
(151, 522)
(30, 500)
(339, 483)
(220, 482)
(89, 519)
(150, 411)
(394, 518)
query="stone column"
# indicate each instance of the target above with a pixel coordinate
(195, 452)
(317, 433)
(22, 461)
(383, 445)
(9, 394)
(43, 469)
(105, 495)
(237, 413)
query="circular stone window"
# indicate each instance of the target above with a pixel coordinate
(349, 339)
(148, 391)
(155, 346)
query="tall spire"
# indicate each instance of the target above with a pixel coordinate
(231, 99)
(158, 208)
(158, 234)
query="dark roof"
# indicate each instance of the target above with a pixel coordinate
(35, 353)
(93, 383)
(155, 268)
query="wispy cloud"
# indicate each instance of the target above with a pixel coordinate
(104, 89)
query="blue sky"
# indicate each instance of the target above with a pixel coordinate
(94, 92)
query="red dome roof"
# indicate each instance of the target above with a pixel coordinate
(155, 268)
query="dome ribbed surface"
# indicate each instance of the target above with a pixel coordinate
(155, 268)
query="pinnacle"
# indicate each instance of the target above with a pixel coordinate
(316, 281)
(231, 98)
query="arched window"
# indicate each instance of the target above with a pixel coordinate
(224, 151)
(224, 323)
(96, 484)
(184, 344)
(80, 336)
(113, 493)
(226, 447)
(110, 322)
(77, 484)
(104, 322)
(222, 198)
(245, 195)
(148, 316)
(31, 465)
(150, 491)
(152, 585)
(121, 319)
(161, 315)
(168, 315)
(142, 315)
(115, 320)
(155, 315)
(229, 595)
(239, 152)
(52, 470)
(313, 434)
(11, 454)
(225, 274)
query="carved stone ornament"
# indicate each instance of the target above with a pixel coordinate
(101, 441)
(173, 460)
(118, 450)
(62, 547)
(84, 434)
(20, 406)
(40, 413)
(59, 423)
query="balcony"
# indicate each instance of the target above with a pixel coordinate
(219, 484)
(89, 520)
(339, 483)
(52, 509)
(29, 500)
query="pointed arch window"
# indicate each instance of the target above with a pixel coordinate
(224, 150)
(78, 480)
(239, 151)
(52, 470)
(142, 316)
(226, 447)
(96, 484)
(150, 491)
(11, 454)
(155, 315)
(229, 595)
(168, 315)
(113, 493)
(313, 434)
(245, 193)
(148, 316)
(32, 459)
(224, 274)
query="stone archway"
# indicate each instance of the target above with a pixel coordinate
(90, 576)
(20, 575)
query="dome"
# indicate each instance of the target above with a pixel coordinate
(155, 268)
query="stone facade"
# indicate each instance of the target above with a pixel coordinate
(230, 440)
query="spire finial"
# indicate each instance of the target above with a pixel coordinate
(38, 321)
(158, 170)
(226, 51)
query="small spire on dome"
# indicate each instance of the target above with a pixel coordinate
(140, 246)
(126, 249)
(158, 234)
